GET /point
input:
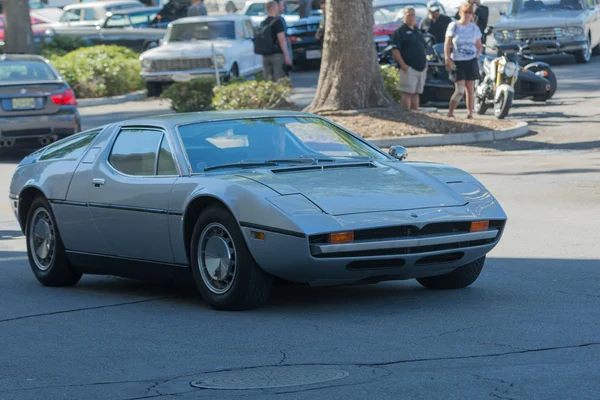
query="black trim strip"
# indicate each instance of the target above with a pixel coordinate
(116, 207)
(69, 203)
(83, 253)
(271, 229)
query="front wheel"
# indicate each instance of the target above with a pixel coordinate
(45, 248)
(584, 55)
(460, 278)
(503, 104)
(224, 270)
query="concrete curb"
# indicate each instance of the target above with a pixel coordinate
(450, 139)
(101, 101)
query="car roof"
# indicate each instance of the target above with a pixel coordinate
(379, 3)
(136, 10)
(172, 120)
(21, 57)
(103, 4)
(229, 17)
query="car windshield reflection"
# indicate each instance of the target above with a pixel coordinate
(273, 141)
(533, 6)
(215, 30)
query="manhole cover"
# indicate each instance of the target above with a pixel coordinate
(268, 377)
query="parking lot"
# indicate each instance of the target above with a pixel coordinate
(525, 330)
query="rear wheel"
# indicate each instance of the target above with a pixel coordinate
(225, 272)
(45, 249)
(460, 278)
(480, 105)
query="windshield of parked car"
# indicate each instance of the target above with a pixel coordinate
(258, 9)
(295, 139)
(212, 30)
(20, 71)
(394, 13)
(535, 6)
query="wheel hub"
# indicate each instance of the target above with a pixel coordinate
(217, 258)
(42, 239)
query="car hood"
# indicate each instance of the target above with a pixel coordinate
(362, 189)
(196, 49)
(542, 19)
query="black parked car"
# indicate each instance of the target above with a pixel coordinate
(305, 47)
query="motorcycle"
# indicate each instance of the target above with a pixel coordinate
(497, 86)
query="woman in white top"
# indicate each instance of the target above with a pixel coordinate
(462, 50)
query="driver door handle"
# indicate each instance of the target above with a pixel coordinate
(98, 181)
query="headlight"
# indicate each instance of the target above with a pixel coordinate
(146, 64)
(498, 35)
(571, 31)
(510, 69)
(220, 60)
(503, 35)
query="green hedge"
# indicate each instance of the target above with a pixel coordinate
(100, 71)
(203, 94)
(391, 78)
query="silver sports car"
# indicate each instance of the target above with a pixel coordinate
(243, 199)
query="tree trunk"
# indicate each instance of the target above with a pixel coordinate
(350, 78)
(17, 27)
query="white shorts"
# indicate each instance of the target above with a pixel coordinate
(412, 81)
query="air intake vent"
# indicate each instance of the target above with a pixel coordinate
(322, 167)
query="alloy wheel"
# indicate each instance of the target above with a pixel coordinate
(42, 239)
(217, 259)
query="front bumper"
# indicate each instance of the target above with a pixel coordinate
(64, 123)
(543, 47)
(175, 76)
(295, 259)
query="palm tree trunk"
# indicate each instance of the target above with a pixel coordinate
(17, 27)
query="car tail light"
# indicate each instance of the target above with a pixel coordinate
(478, 226)
(293, 39)
(341, 237)
(66, 98)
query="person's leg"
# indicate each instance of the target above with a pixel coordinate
(456, 97)
(470, 93)
(267, 67)
(420, 86)
(278, 62)
(408, 86)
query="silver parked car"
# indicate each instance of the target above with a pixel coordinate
(244, 197)
(551, 27)
(38, 105)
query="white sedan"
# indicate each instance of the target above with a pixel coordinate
(186, 51)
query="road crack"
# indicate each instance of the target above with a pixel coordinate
(86, 308)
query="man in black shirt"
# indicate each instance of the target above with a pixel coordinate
(435, 23)
(409, 52)
(273, 64)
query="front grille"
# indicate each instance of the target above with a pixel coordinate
(181, 64)
(406, 231)
(537, 34)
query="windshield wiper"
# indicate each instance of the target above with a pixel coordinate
(243, 164)
(302, 159)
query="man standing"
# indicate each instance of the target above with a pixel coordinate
(435, 23)
(197, 9)
(281, 5)
(409, 52)
(274, 64)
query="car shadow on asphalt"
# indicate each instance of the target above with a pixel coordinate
(9, 234)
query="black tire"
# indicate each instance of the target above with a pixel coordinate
(150, 45)
(250, 287)
(460, 278)
(154, 89)
(506, 103)
(480, 106)
(583, 56)
(58, 271)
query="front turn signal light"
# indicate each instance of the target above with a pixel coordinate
(478, 226)
(341, 237)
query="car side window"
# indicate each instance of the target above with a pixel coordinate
(89, 15)
(134, 151)
(71, 16)
(117, 21)
(166, 163)
(71, 148)
(249, 29)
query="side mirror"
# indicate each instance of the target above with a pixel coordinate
(398, 152)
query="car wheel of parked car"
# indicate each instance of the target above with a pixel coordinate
(154, 89)
(45, 249)
(584, 55)
(460, 278)
(225, 272)
(150, 45)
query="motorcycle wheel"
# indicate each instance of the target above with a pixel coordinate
(503, 104)
(480, 105)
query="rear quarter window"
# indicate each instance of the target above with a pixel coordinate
(70, 148)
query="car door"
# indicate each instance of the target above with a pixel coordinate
(254, 60)
(117, 30)
(130, 190)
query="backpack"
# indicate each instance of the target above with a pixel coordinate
(263, 39)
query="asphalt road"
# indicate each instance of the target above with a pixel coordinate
(527, 329)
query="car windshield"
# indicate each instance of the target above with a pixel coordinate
(534, 6)
(201, 31)
(20, 71)
(393, 13)
(291, 139)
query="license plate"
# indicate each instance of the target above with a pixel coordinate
(312, 54)
(25, 103)
(181, 77)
